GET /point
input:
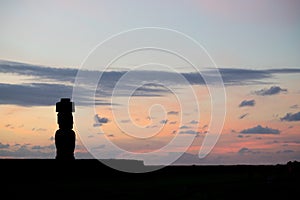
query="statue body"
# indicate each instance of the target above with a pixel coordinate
(65, 144)
(65, 137)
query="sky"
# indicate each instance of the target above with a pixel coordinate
(159, 81)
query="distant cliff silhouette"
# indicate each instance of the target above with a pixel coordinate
(89, 178)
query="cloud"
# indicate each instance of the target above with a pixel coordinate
(291, 117)
(9, 126)
(164, 121)
(243, 116)
(189, 132)
(184, 127)
(83, 155)
(4, 146)
(247, 103)
(284, 71)
(193, 122)
(100, 120)
(38, 147)
(270, 91)
(173, 113)
(293, 142)
(232, 76)
(260, 130)
(152, 126)
(229, 75)
(35, 94)
(150, 89)
(39, 129)
(24, 151)
(245, 150)
(296, 106)
(101, 146)
(54, 83)
(43, 72)
(125, 121)
(204, 126)
(285, 151)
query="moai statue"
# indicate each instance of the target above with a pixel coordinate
(65, 137)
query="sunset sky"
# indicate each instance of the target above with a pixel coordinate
(245, 64)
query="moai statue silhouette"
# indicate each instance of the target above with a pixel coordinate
(65, 137)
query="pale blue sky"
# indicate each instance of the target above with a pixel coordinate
(236, 33)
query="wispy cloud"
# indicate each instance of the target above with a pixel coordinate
(43, 72)
(150, 90)
(232, 76)
(243, 116)
(35, 94)
(229, 75)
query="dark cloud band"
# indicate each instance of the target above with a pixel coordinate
(47, 93)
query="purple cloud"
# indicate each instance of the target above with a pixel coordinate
(260, 130)
(270, 91)
(247, 103)
(291, 117)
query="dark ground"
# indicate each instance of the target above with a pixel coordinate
(47, 178)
